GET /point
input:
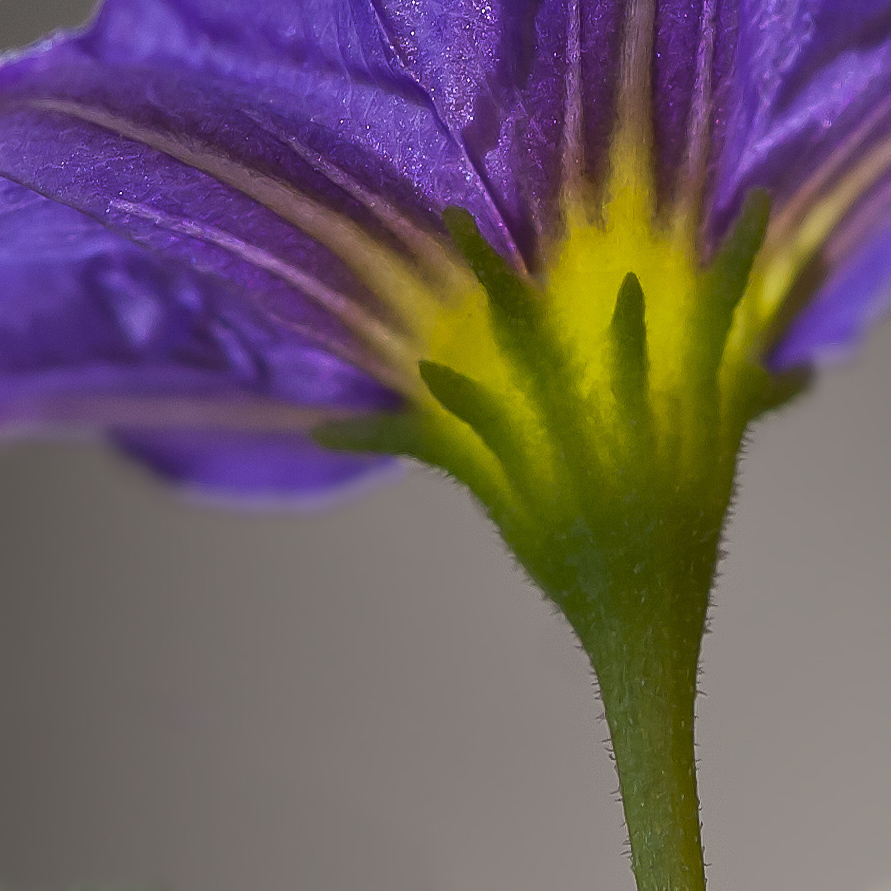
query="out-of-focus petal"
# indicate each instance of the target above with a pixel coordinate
(97, 334)
(849, 303)
(263, 470)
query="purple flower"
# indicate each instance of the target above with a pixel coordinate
(215, 217)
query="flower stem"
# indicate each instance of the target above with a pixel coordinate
(639, 613)
(649, 709)
(652, 738)
(600, 428)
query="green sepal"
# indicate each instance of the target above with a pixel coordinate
(508, 294)
(728, 274)
(539, 362)
(471, 402)
(410, 434)
(628, 336)
(786, 387)
(419, 434)
(487, 413)
(723, 283)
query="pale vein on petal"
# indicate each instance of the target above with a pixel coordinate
(381, 269)
(379, 336)
(691, 179)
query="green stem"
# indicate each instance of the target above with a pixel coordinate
(651, 729)
(606, 457)
(643, 637)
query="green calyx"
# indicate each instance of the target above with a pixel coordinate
(545, 428)
(603, 442)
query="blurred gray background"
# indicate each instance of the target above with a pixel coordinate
(372, 700)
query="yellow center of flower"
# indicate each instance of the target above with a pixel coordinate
(624, 352)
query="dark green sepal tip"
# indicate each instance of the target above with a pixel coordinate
(464, 397)
(628, 316)
(507, 292)
(728, 275)
(740, 248)
(724, 282)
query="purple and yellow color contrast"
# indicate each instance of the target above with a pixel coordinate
(565, 249)
(218, 220)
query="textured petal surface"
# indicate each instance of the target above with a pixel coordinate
(273, 86)
(529, 87)
(506, 77)
(170, 161)
(95, 332)
(490, 105)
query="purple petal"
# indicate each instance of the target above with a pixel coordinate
(808, 98)
(140, 146)
(807, 76)
(270, 85)
(111, 154)
(501, 77)
(160, 121)
(264, 470)
(97, 333)
(472, 103)
(693, 49)
(513, 78)
(488, 105)
(483, 85)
